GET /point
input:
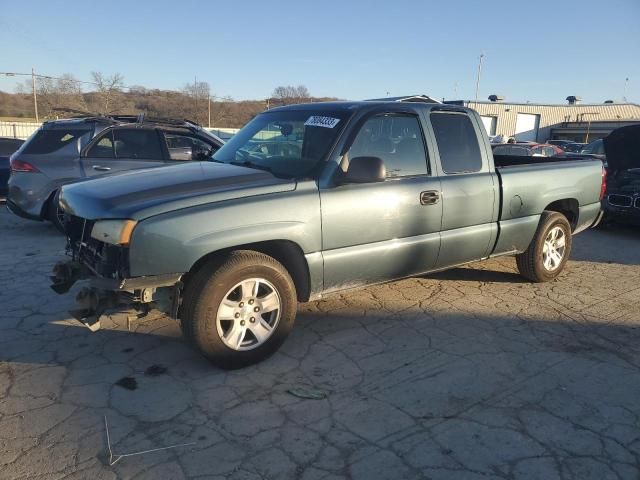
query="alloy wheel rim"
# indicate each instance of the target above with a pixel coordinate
(248, 314)
(553, 249)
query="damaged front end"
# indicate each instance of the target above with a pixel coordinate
(110, 289)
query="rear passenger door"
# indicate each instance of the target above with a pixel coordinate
(469, 189)
(121, 149)
(373, 232)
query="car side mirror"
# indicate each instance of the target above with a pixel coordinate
(365, 170)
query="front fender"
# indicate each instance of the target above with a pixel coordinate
(175, 241)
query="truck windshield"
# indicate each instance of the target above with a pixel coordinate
(288, 143)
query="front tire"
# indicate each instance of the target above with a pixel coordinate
(238, 310)
(54, 213)
(549, 250)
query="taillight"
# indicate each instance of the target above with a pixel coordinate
(20, 166)
(603, 186)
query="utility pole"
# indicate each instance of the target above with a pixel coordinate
(195, 96)
(479, 73)
(209, 104)
(35, 98)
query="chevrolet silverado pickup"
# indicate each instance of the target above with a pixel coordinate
(311, 199)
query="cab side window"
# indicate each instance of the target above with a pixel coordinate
(397, 140)
(457, 142)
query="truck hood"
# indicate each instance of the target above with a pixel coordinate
(140, 194)
(622, 147)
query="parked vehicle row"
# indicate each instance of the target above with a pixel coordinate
(528, 149)
(7, 147)
(622, 147)
(568, 145)
(66, 151)
(311, 199)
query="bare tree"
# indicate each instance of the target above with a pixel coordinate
(55, 95)
(197, 109)
(109, 92)
(285, 95)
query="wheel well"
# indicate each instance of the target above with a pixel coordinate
(44, 213)
(569, 207)
(288, 253)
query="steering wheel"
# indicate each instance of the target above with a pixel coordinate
(290, 150)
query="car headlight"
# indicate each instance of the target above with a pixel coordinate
(115, 232)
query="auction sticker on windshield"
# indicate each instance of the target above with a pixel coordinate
(319, 121)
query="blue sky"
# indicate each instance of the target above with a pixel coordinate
(538, 51)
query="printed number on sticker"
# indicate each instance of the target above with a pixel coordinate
(319, 121)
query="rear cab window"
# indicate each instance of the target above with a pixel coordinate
(48, 140)
(457, 142)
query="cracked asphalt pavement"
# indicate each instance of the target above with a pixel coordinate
(466, 374)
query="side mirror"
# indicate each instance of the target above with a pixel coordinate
(365, 170)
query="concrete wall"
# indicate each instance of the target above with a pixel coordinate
(18, 129)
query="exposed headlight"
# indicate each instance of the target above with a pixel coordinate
(116, 232)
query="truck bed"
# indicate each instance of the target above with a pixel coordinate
(531, 185)
(517, 160)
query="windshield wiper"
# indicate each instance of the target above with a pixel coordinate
(250, 164)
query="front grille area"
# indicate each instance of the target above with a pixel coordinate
(76, 228)
(637, 204)
(103, 259)
(620, 200)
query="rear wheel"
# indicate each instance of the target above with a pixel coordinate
(54, 213)
(240, 309)
(549, 250)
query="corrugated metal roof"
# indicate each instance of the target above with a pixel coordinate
(487, 102)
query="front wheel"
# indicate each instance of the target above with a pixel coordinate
(55, 213)
(239, 310)
(549, 250)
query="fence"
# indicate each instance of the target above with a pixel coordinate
(25, 129)
(18, 129)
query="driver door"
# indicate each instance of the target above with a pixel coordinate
(375, 232)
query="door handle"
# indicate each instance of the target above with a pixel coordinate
(101, 168)
(430, 197)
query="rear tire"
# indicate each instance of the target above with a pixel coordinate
(55, 213)
(549, 250)
(238, 310)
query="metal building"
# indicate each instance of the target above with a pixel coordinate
(541, 122)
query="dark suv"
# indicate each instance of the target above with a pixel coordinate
(68, 151)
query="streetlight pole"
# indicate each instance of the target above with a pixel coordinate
(35, 98)
(209, 104)
(479, 73)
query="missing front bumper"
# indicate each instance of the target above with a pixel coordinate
(104, 296)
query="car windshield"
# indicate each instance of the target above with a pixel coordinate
(288, 143)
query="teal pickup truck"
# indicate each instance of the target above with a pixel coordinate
(311, 199)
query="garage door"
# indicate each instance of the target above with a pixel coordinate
(489, 124)
(527, 127)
